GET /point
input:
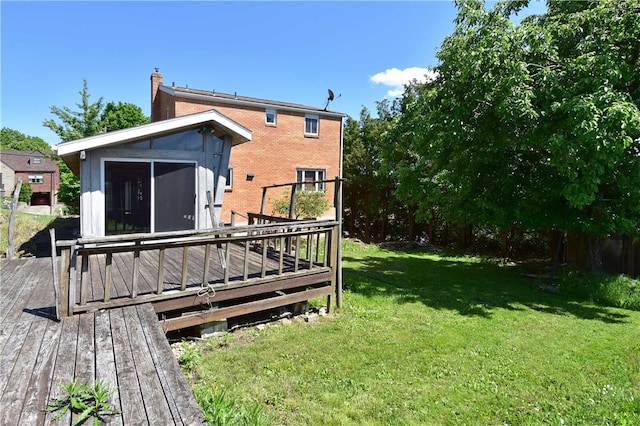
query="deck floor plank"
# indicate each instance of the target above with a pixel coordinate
(33, 411)
(133, 411)
(13, 394)
(64, 367)
(105, 359)
(180, 395)
(152, 394)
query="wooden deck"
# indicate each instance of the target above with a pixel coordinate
(221, 273)
(125, 347)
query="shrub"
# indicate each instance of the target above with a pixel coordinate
(221, 410)
(191, 356)
(308, 204)
(612, 290)
(25, 192)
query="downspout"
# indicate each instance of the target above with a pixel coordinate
(339, 218)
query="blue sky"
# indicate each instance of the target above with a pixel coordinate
(288, 51)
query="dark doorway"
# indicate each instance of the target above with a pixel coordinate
(175, 192)
(127, 197)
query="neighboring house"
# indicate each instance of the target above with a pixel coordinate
(290, 142)
(35, 168)
(155, 177)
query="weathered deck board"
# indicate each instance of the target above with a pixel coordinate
(124, 347)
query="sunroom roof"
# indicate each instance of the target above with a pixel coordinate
(69, 151)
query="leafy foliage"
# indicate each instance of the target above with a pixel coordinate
(534, 124)
(191, 356)
(80, 123)
(221, 410)
(122, 116)
(369, 190)
(25, 192)
(611, 290)
(83, 400)
(14, 140)
(69, 193)
(90, 119)
(307, 204)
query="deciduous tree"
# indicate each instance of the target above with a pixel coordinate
(535, 124)
(14, 140)
(90, 119)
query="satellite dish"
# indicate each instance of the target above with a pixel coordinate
(330, 98)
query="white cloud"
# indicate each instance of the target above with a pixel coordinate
(397, 79)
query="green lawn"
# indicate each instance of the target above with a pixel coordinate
(427, 339)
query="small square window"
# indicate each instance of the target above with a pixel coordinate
(311, 124)
(37, 160)
(270, 117)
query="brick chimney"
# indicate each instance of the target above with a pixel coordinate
(156, 107)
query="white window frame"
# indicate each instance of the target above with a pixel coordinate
(229, 179)
(35, 178)
(37, 160)
(319, 174)
(275, 117)
(308, 129)
(103, 199)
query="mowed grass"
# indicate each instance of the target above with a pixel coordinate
(429, 339)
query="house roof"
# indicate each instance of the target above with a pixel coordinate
(69, 151)
(23, 161)
(234, 99)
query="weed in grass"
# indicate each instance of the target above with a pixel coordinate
(191, 356)
(222, 410)
(84, 400)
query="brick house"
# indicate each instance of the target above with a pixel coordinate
(33, 167)
(290, 142)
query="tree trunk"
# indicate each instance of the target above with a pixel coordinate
(411, 219)
(594, 258)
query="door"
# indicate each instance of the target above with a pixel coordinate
(127, 197)
(175, 196)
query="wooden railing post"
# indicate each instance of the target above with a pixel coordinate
(335, 240)
(65, 255)
(56, 276)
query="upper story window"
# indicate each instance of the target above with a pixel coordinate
(36, 178)
(270, 117)
(37, 160)
(311, 125)
(310, 179)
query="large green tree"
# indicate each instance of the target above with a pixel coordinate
(372, 211)
(14, 140)
(121, 116)
(535, 124)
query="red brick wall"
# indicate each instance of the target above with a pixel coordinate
(274, 153)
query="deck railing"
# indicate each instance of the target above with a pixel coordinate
(129, 269)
